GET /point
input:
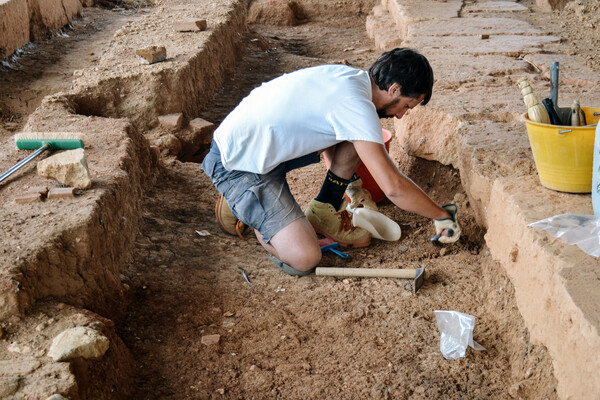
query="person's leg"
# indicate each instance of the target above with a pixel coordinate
(325, 213)
(344, 159)
(265, 203)
(296, 245)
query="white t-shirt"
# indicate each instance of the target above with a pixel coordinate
(297, 114)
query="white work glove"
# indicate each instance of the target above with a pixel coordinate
(359, 196)
(449, 225)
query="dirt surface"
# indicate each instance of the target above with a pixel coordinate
(312, 337)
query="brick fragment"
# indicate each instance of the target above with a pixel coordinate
(202, 131)
(152, 54)
(171, 121)
(28, 198)
(190, 25)
(61, 193)
(211, 339)
(43, 190)
(199, 125)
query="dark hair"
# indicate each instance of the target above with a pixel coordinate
(406, 67)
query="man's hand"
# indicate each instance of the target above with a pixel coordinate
(447, 230)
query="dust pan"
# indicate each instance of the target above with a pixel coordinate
(380, 226)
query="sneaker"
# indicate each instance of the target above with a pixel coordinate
(226, 220)
(336, 225)
(358, 196)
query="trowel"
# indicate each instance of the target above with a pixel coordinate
(563, 113)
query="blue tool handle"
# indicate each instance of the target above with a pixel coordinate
(449, 232)
(341, 254)
(554, 68)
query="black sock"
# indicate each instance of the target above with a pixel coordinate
(333, 190)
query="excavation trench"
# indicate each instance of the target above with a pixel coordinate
(280, 337)
(315, 337)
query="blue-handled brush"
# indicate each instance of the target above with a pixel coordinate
(42, 141)
(327, 244)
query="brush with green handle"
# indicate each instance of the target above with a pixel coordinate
(42, 141)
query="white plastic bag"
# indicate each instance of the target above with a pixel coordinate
(456, 331)
(579, 229)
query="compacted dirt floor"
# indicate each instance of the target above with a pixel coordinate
(280, 336)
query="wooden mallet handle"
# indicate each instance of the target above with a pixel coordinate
(367, 272)
(418, 275)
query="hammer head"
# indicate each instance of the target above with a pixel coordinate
(419, 279)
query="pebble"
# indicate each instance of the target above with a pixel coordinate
(210, 339)
(529, 373)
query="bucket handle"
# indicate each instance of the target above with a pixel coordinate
(566, 131)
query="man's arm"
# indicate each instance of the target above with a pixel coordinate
(401, 191)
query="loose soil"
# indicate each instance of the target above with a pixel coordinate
(311, 337)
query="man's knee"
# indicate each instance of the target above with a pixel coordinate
(307, 261)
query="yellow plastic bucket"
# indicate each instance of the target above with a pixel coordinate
(564, 155)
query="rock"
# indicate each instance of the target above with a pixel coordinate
(171, 122)
(550, 5)
(43, 190)
(57, 397)
(78, 342)
(18, 367)
(69, 168)
(513, 391)
(8, 386)
(61, 193)
(168, 145)
(28, 198)
(190, 25)
(152, 54)
(272, 12)
(203, 127)
(211, 339)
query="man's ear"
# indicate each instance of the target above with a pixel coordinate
(394, 90)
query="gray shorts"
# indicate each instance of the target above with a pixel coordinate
(261, 201)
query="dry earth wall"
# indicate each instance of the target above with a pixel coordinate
(475, 123)
(64, 257)
(25, 20)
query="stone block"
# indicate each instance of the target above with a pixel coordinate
(190, 25)
(171, 122)
(69, 168)
(152, 54)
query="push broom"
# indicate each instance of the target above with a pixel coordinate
(42, 141)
